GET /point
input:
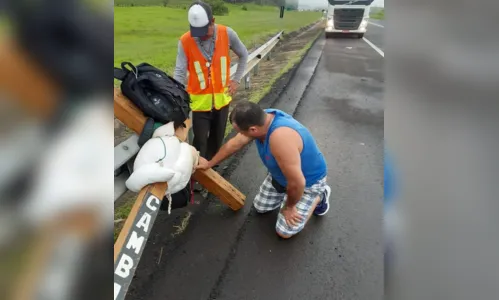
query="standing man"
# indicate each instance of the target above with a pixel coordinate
(297, 169)
(204, 53)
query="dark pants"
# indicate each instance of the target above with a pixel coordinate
(209, 131)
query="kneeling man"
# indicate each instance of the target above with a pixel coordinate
(297, 169)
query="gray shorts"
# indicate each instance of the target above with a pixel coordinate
(269, 199)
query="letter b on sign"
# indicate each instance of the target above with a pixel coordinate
(124, 266)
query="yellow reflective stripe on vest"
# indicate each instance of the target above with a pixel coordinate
(199, 71)
(222, 100)
(204, 102)
(201, 102)
(223, 62)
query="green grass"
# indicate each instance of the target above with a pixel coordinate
(150, 34)
(121, 213)
(380, 15)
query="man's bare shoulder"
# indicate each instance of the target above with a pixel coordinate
(284, 137)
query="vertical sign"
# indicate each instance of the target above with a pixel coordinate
(129, 256)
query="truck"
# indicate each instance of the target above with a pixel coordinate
(347, 17)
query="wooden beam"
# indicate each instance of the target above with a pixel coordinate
(134, 119)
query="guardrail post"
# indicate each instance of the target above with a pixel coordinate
(255, 69)
(247, 82)
(269, 55)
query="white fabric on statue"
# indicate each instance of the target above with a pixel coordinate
(163, 158)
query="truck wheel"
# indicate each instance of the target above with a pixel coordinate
(360, 35)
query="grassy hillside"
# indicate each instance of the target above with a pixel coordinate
(150, 34)
(378, 14)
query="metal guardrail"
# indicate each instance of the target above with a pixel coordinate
(127, 150)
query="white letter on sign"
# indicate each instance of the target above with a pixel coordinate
(124, 266)
(156, 201)
(117, 289)
(144, 222)
(135, 242)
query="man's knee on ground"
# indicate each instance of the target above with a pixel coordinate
(283, 235)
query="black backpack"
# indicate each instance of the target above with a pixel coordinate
(156, 94)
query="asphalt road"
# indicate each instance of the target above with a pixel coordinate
(375, 33)
(337, 93)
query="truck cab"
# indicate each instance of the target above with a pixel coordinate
(347, 17)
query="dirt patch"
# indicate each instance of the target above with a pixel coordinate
(268, 70)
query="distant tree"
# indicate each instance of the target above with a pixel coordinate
(218, 7)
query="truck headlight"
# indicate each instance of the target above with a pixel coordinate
(330, 23)
(363, 24)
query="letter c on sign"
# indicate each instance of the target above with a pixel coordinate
(156, 201)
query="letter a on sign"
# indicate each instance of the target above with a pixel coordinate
(144, 222)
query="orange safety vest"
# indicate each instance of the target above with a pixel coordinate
(208, 81)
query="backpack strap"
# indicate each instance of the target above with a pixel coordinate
(119, 74)
(147, 132)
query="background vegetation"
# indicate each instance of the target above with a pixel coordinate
(151, 34)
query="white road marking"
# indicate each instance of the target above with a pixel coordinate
(376, 24)
(374, 47)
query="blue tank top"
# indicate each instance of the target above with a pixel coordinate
(313, 164)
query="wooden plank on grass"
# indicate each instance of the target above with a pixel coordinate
(134, 119)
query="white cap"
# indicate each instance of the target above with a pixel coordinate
(200, 17)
